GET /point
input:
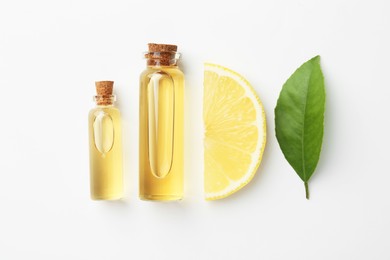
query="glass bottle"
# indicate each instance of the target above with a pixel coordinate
(105, 145)
(161, 125)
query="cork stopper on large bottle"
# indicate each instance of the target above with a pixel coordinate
(104, 90)
(154, 47)
(161, 54)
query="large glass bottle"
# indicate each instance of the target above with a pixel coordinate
(105, 145)
(161, 125)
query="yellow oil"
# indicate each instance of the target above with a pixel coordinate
(105, 147)
(161, 133)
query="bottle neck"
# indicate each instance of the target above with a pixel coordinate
(166, 59)
(108, 100)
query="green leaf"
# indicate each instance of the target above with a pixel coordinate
(299, 119)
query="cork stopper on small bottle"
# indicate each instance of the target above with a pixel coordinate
(161, 54)
(104, 90)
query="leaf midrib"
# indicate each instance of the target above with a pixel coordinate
(303, 128)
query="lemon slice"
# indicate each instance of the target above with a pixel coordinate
(235, 132)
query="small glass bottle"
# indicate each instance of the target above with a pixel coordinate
(105, 145)
(161, 125)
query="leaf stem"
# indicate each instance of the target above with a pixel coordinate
(307, 190)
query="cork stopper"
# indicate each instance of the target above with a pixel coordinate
(154, 47)
(161, 54)
(104, 90)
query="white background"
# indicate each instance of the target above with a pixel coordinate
(51, 53)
